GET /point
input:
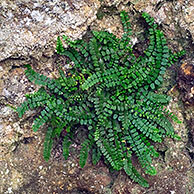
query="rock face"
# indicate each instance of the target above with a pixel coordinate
(186, 82)
(28, 32)
(173, 15)
(28, 28)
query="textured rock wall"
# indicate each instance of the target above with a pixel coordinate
(28, 32)
(28, 28)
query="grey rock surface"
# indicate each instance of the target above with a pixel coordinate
(171, 14)
(28, 32)
(28, 28)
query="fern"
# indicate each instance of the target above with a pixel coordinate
(66, 144)
(48, 144)
(113, 94)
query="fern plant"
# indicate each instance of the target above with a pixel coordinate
(112, 93)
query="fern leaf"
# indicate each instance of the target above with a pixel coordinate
(48, 142)
(96, 155)
(133, 174)
(84, 153)
(59, 47)
(66, 144)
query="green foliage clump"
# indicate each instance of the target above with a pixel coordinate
(112, 93)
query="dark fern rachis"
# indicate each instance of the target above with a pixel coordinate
(112, 93)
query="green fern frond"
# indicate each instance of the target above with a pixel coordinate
(66, 144)
(86, 146)
(133, 174)
(48, 142)
(96, 155)
(59, 46)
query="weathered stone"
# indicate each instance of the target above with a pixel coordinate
(114, 2)
(141, 5)
(176, 17)
(170, 181)
(177, 160)
(28, 28)
(94, 179)
(111, 24)
(187, 17)
(124, 185)
(186, 82)
(28, 32)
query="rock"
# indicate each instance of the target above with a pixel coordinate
(176, 17)
(186, 82)
(142, 5)
(28, 35)
(170, 181)
(25, 171)
(109, 23)
(94, 179)
(177, 160)
(114, 2)
(28, 28)
(123, 184)
(187, 21)
(191, 124)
